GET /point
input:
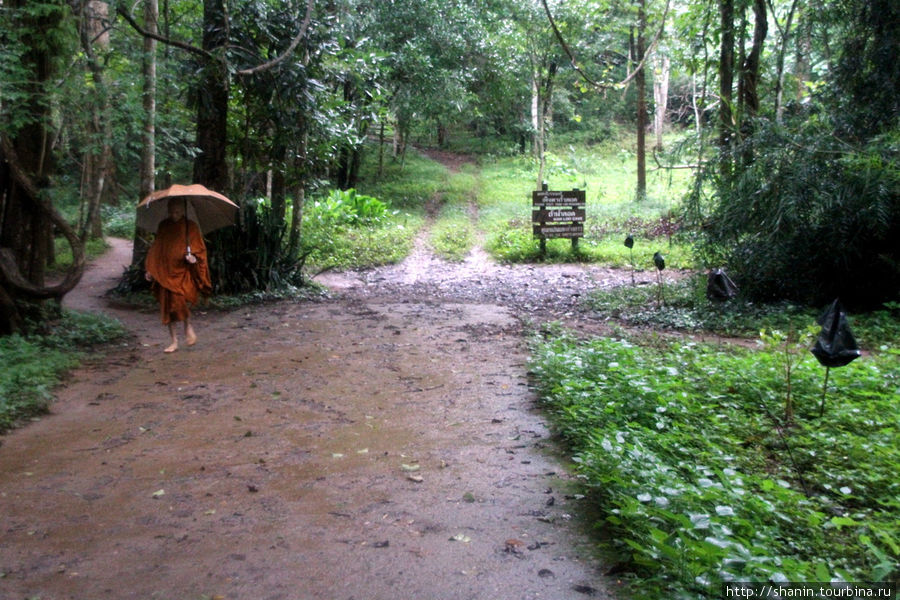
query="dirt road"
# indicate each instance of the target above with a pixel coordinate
(380, 444)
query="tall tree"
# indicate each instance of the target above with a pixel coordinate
(726, 73)
(98, 160)
(147, 181)
(640, 83)
(210, 166)
(641, 53)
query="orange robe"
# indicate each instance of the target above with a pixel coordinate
(176, 282)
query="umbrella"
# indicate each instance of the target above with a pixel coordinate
(210, 210)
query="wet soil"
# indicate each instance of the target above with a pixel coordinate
(382, 443)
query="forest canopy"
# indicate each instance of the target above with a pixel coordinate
(785, 111)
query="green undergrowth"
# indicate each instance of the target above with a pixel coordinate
(32, 365)
(347, 229)
(710, 464)
(680, 303)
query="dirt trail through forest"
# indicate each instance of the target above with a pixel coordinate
(380, 444)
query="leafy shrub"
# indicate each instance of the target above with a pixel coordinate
(350, 230)
(347, 208)
(252, 256)
(118, 221)
(686, 308)
(699, 480)
(809, 220)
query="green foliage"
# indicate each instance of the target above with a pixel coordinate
(92, 248)
(36, 33)
(31, 366)
(346, 208)
(348, 230)
(866, 74)
(749, 499)
(687, 308)
(118, 221)
(253, 256)
(407, 184)
(809, 219)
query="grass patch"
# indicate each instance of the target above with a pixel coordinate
(612, 213)
(31, 366)
(360, 247)
(454, 232)
(452, 236)
(755, 497)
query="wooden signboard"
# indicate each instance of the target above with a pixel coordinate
(558, 214)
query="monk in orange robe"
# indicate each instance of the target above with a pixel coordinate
(176, 264)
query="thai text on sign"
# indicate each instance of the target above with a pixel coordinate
(558, 214)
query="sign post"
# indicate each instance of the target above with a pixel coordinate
(558, 214)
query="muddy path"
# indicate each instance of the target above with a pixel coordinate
(383, 443)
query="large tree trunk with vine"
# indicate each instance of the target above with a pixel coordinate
(27, 218)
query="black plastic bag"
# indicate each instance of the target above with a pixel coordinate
(719, 286)
(835, 346)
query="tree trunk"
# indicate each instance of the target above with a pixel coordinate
(299, 198)
(779, 74)
(537, 126)
(278, 184)
(210, 167)
(749, 77)
(148, 137)
(802, 67)
(660, 99)
(541, 105)
(726, 72)
(381, 149)
(98, 158)
(748, 87)
(640, 83)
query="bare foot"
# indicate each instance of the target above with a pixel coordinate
(190, 337)
(172, 348)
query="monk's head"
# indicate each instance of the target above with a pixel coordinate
(176, 208)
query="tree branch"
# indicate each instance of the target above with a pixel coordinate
(580, 71)
(149, 34)
(290, 50)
